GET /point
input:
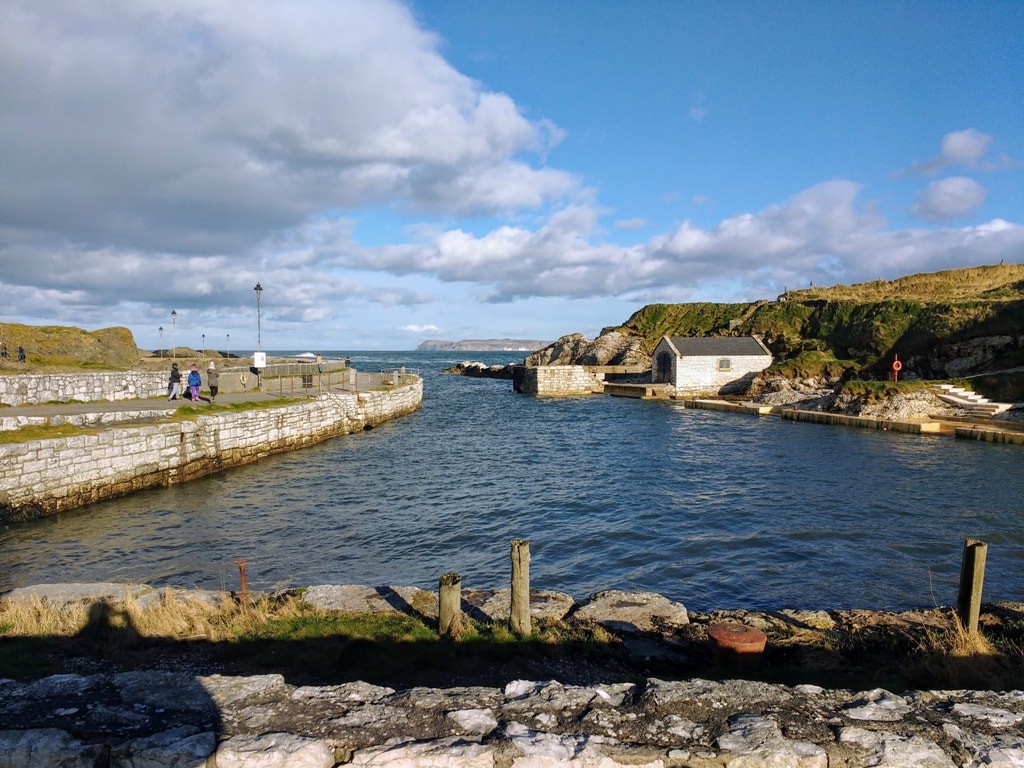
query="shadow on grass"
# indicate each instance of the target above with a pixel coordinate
(402, 651)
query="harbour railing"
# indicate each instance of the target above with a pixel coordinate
(309, 379)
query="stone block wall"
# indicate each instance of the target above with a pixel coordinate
(556, 380)
(39, 388)
(43, 477)
(701, 375)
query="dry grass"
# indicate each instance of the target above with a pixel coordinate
(172, 617)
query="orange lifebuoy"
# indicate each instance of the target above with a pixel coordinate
(897, 365)
(242, 379)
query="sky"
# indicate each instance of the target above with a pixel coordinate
(391, 171)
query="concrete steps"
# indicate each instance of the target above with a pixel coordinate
(972, 402)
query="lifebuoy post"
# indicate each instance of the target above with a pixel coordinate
(897, 366)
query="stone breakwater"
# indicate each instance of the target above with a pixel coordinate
(165, 719)
(44, 477)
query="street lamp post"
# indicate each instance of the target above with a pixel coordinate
(204, 343)
(259, 331)
(229, 346)
(161, 329)
(174, 333)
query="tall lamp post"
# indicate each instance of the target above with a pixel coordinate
(174, 333)
(229, 346)
(204, 343)
(259, 331)
(161, 329)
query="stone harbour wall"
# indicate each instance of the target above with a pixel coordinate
(556, 380)
(44, 477)
(36, 389)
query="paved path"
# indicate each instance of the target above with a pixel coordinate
(150, 404)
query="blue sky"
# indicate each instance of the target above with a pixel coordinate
(398, 171)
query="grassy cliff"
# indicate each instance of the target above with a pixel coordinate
(58, 347)
(971, 319)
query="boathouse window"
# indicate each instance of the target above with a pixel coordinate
(724, 364)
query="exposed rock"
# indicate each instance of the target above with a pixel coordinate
(633, 611)
(612, 347)
(480, 370)
(656, 723)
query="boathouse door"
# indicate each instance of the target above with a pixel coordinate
(664, 368)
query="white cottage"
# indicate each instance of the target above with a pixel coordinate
(712, 365)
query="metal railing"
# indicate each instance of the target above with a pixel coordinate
(308, 380)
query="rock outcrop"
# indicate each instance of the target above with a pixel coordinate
(478, 370)
(612, 347)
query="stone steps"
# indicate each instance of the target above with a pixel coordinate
(972, 402)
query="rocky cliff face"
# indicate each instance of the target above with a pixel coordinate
(612, 347)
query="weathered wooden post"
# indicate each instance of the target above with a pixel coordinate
(519, 619)
(972, 577)
(449, 608)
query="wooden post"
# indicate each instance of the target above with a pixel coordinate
(449, 609)
(519, 620)
(972, 577)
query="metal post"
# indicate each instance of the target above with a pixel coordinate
(174, 333)
(244, 594)
(161, 329)
(259, 331)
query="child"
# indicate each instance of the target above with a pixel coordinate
(195, 382)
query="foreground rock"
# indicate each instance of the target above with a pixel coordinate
(162, 719)
(150, 718)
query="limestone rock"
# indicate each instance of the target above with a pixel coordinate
(633, 611)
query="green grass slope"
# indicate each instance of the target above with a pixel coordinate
(925, 318)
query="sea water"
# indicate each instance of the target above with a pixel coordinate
(711, 509)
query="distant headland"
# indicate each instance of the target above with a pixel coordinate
(483, 345)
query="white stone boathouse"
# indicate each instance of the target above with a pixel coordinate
(713, 365)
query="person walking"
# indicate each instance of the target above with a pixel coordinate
(174, 383)
(213, 381)
(21, 354)
(195, 383)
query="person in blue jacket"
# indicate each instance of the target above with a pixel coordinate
(195, 383)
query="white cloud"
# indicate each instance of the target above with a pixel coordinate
(198, 127)
(948, 199)
(421, 328)
(964, 148)
(820, 235)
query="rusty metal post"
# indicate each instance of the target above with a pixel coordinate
(244, 593)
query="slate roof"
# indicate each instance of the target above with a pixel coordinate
(717, 346)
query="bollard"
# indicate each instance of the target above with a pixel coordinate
(972, 577)
(736, 646)
(519, 618)
(449, 608)
(244, 593)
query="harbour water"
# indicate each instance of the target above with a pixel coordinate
(713, 510)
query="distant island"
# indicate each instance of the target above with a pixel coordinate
(482, 345)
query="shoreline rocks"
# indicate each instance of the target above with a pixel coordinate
(164, 719)
(174, 718)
